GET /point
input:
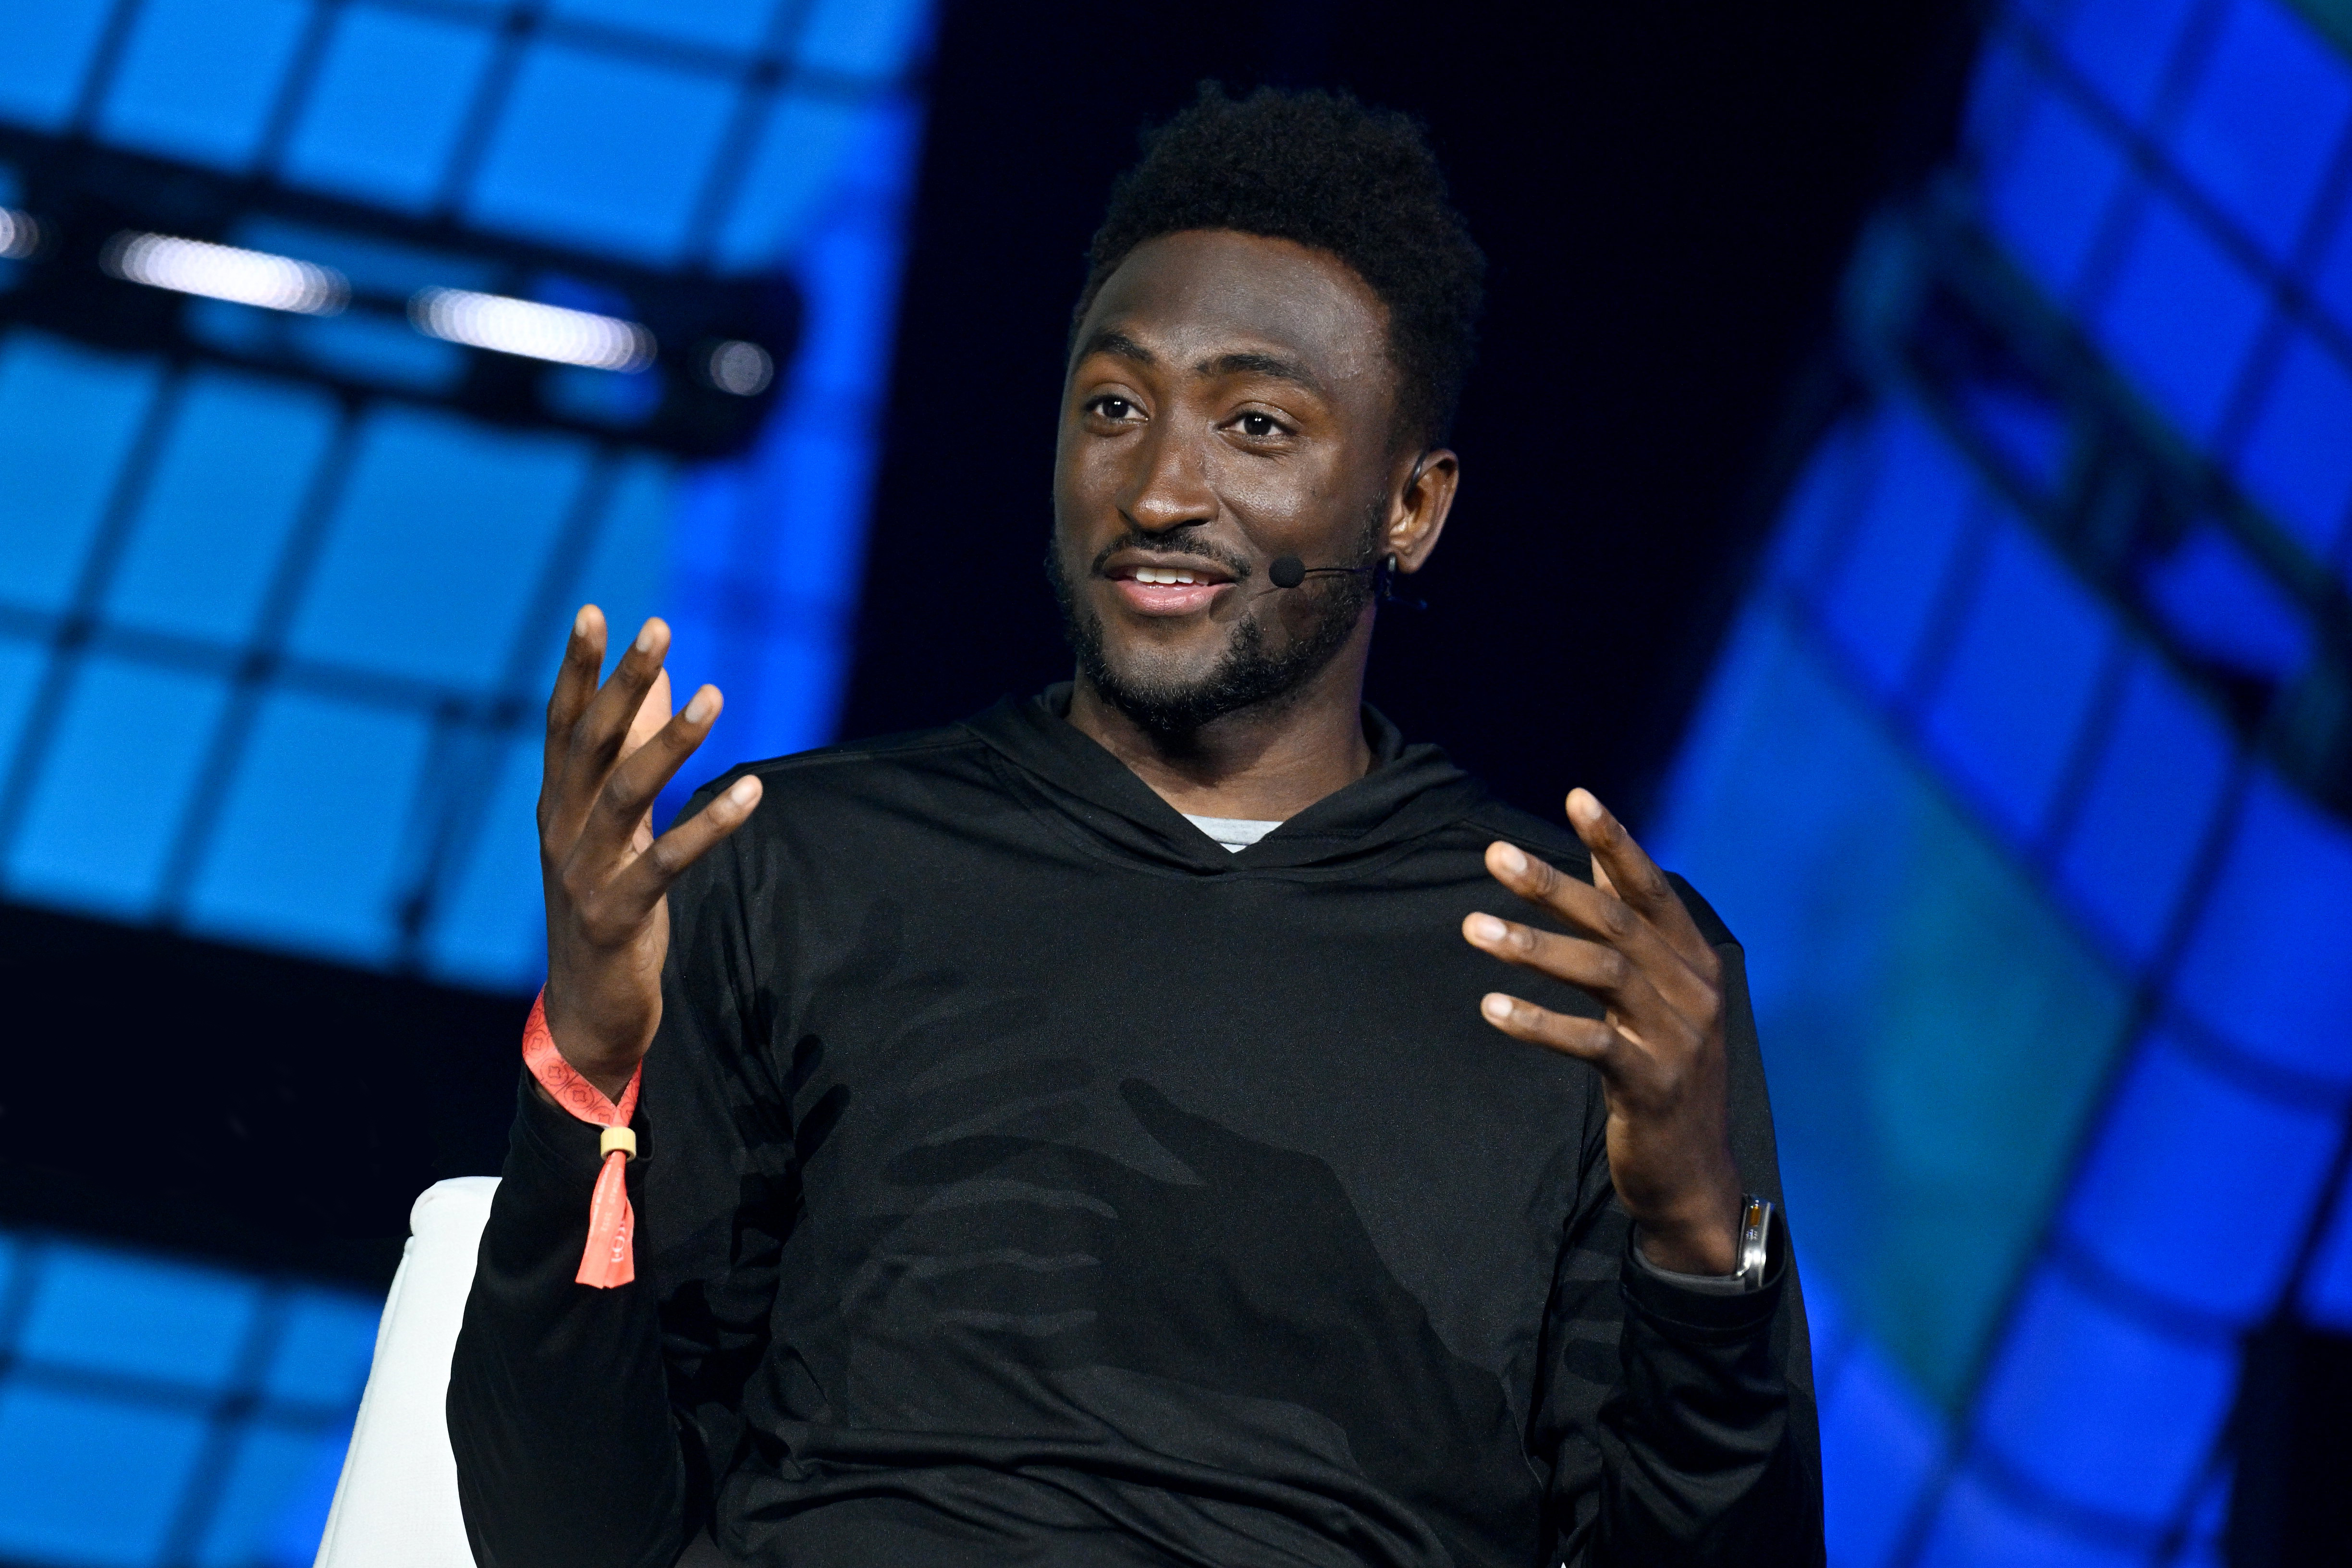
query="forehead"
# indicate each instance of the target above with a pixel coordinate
(1190, 296)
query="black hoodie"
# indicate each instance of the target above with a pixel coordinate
(1026, 1178)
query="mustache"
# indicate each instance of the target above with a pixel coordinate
(1199, 548)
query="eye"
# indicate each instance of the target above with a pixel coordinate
(1259, 426)
(1112, 407)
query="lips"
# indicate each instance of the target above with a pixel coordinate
(1167, 589)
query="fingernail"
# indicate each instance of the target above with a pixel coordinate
(1511, 860)
(580, 623)
(741, 791)
(645, 638)
(1486, 928)
(699, 708)
(1496, 1006)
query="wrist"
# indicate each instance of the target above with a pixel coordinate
(1701, 1236)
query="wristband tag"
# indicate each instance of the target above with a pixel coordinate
(610, 1258)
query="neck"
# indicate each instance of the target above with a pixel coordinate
(1266, 763)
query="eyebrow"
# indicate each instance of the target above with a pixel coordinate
(1267, 365)
(1111, 340)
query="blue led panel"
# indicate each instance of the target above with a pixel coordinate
(2327, 1298)
(310, 850)
(71, 1497)
(48, 57)
(21, 664)
(200, 79)
(2197, 1221)
(2266, 969)
(134, 1430)
(56, 398)
(444, 530)
(1980, 1525)
(268, 1475)
(2145, 809)
(721, 24)
(1881, 1442)
(2125, 49)
(2295, 461)
(1881, 596)
(229, 484)
(602, 151)
(2181, 316)
(2264, 120)
(383, 116)
(2049, 188)
(2220, 602)
(114, 789)
(859, 39)
(2100, 1407)
(788, 175)
(2020, 678)
(493, 922)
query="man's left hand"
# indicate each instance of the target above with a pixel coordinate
(1659, 1049)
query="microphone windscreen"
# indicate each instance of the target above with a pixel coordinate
(1286, 571)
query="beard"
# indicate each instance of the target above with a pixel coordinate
(1248, 674)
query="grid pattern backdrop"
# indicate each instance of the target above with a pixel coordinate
(273, 649)
(2024, 776)
(156, 1412)
(271, 654)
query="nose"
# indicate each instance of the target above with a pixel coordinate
(1171, 486)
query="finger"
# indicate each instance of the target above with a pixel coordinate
(575, 685)
(1587, 1039)
(1607, 919)
(641, 885)
(652, 714)
(595, 745)
(1635, 879)
(626, 800)
(1603, 971)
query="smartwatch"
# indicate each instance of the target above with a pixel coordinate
(1755, 1233)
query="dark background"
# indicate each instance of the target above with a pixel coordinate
(1666, 195)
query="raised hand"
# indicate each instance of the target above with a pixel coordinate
(609, 752)
(1660, 1047)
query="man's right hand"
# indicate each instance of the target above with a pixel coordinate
(609, 752)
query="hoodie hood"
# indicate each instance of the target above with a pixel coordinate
(1409, 791)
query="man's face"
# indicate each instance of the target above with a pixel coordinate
(1230, 402)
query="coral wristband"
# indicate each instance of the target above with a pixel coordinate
(609, 1258)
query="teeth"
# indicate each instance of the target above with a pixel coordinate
(1162, 574)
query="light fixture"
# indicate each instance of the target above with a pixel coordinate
(226, 272)
(531, 330)
(741, 368)
(19, 235)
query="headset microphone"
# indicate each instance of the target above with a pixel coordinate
(1288, 571)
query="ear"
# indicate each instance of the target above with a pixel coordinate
(1425, 484)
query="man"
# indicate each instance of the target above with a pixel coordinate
(1091, 1133)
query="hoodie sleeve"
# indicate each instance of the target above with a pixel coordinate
(1680, 1423)
(587, 1423)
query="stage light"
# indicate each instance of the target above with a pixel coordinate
(226, 272)
(19, 235)
(531, 330)
(742, 368)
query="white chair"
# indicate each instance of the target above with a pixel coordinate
(396, 1504)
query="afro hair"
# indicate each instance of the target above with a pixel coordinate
(1320, 169)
